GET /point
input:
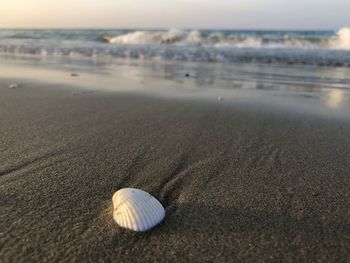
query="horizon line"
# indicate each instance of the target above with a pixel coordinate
(169, 28)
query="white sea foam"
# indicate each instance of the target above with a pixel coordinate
(324, 48)
(148, 37)
(342, 40)
(176, 36)
(194, 37)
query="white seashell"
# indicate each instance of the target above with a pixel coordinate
(136, 210)
(14, 86)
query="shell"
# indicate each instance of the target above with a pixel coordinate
(136, 210)
(14, 86)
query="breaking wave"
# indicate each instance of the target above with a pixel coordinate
(322, 48)
(342, 40)
(178, 37)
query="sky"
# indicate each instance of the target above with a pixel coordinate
(228, 14)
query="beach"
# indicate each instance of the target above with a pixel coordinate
(239, 180)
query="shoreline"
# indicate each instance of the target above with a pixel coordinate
(319, 92)
(238, 182)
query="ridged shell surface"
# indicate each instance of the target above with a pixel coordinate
(136, 210)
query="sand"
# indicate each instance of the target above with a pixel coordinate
(239, 183)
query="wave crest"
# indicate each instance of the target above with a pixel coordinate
(147, 37)
(176, 37)
(342, 40)
(324, 48)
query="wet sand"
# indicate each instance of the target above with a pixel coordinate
(239, 182)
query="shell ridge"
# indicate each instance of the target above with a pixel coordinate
(126, 215)
(160, 211)
(132, 218)
(139, 215)
(145, 204)
(117, 210)
(142, 215)
(121, 216)
(153, 213)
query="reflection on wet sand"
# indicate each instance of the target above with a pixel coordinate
(336, 98)
(301, 88)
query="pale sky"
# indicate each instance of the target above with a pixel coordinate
(243, 14)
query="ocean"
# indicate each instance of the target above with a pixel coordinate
(306, 71)
(319, 48)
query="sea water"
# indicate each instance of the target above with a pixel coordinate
(321, 48)
(303, 70)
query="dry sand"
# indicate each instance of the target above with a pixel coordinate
(239, 183)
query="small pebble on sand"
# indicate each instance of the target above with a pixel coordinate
(74, 75)
(14, 86)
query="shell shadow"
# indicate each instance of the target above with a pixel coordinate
(192, 219)
(189, 222)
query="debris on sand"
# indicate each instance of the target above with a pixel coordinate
(14, 86)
